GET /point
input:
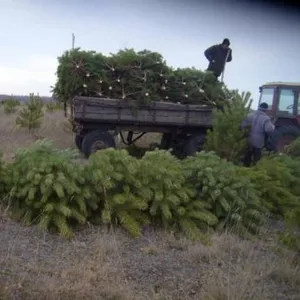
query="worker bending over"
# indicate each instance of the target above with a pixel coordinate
(260, 126)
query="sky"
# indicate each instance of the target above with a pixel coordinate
(265, 41)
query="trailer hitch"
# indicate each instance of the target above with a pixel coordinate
(129, 137)
(129, 141)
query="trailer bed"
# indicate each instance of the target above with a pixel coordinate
(122, 112)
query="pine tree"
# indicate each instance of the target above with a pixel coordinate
(227, 139)
(112, 176)
(53, 106)
(278, 179)
(47, 188)
(172, 203)
(232, 198)
(10, 105)
(30, 116)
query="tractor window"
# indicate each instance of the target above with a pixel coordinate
(267, 96)
(286, 101)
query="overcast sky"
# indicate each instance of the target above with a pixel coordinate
(265, 43)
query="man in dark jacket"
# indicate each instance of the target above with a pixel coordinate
(217, 55)
(260, 125)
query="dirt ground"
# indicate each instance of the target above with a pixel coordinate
(102, 264)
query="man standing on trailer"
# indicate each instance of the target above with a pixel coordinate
(217, 56)
(260, 126)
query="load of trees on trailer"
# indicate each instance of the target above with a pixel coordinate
(131, 75)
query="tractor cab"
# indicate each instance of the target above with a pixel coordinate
(283, 99)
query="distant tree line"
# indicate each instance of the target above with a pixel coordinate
(24, 98)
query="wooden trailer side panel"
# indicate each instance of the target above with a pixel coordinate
(156, 113)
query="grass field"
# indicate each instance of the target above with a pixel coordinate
(101, 264)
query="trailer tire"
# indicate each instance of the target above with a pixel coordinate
(194, 144)
(97, 140)
(166, 141)
(78, 141)
(283, 136)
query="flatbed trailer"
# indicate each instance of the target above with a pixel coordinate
(96, 121)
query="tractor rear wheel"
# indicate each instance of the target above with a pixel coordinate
(283, 136)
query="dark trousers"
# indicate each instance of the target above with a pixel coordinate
(252, 156)
(217, 74)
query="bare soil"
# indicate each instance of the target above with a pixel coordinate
(107, 264)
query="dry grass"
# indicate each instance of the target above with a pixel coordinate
(244, 270)
(55, 269)
(109, 265)
(54, 127)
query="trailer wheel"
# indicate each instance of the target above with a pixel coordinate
(97, 140)
(78, 141)
(194, 144)
(283, 136)
(166, 141)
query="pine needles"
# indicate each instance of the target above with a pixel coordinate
(113, 175)
(44, 186)
(10, 105)
(226, 138)
(232, 199)
(30, 117)
(47, 188)
(130, 75)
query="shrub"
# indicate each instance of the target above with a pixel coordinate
(230, 197)
(53, 106)
(171, 202)
(30, 116)
(226, 139)
(47, 188)
(10, 105)
(120, 196)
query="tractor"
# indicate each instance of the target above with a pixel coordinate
(283, 99)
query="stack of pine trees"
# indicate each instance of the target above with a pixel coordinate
(131, 75)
